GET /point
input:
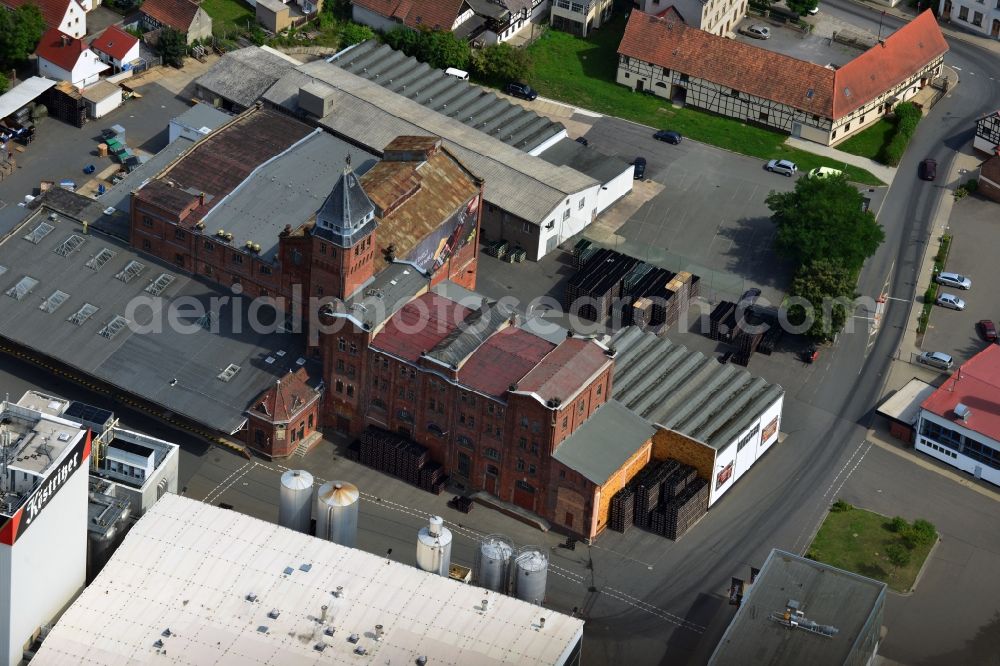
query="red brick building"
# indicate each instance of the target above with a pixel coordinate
(286, 416)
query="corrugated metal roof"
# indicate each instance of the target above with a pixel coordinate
(243, 75)
(448, 95)
(391, 289)
(686, 391)
(216, 579)
(600, 447)
(525, 186)
(23, 94)
(472, 332)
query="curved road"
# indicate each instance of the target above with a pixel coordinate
(826, 422)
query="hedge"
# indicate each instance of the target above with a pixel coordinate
(907, 116)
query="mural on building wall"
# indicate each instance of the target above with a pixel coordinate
(724, 475)
(448, 239)
(769, 430)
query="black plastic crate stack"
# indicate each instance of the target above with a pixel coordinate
(622, 510)
(412, 460)
(354, 451)
(678, 480)
(684, 511)
(647, 490)
(718, 321)
(400, 457)
(429, 477)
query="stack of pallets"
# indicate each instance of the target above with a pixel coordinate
(678, 294)
(647, 489)
(622, 510)
(720, 321)
(432, 478)
(399, 457)
(681, 513)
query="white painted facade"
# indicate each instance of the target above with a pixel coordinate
(571, 217)
(130, 56)
(980, 16)
(580, 17)
(85, 72)
(719, 17)
(102, 107)
(157, 480)
(951, 442)
(74, 22)
(736, 458)
(615, 189)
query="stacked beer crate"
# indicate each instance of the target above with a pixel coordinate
(400, 457)
(622, 510)
(681, 513)
(678, 294)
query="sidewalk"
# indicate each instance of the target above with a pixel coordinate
(881, 171)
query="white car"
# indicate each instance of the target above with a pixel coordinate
(814, 10)
(936, 359)
(953, 280)
(951, 301)
(757, 31)
(782, 166)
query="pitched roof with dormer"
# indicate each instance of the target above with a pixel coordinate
(114, 42)
(286, 398)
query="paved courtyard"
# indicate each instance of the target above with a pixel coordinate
(816, 46)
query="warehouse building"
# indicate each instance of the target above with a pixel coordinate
(960, 422)
(799, 611)
(216, 586)
(240, 77)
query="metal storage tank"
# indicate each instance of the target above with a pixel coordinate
(434, 547)
(493, 562)
(531, 567)
(295, 508)
(337, 512)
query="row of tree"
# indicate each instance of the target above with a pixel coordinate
(824, 229)
(441, 49)
(20, 31)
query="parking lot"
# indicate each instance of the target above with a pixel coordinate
(815, 46)
(973, 225)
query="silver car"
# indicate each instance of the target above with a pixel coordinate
(936, 359)
(952, 301)
(782, 166)
(953, 280)
(757, 31)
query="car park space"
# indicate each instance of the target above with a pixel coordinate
(809, 46)
(972, 255)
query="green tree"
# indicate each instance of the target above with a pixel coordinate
(898, 525)
(828, 286)
(920, 533)
(355, 33)
(823, 218)
(500, 63)
(20, 31)
(442, 49)
(405, 40)
(173, 47)
(898, 555)
(4, 83)
(802, 7)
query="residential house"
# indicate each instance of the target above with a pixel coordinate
(66, 58)
(719, 17)
(184, 16)
(116, 47)
(67, 16)
(735, 79)
(580, 17)
(989, 179)
(987, 137)
(484, 21)
(982, 16)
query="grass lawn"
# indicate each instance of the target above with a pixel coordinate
(856, 540)
(869, 142)
(582, 72)
(229, 14)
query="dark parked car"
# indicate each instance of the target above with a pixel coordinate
(640, 168)
(669, 136)
(582, 141)
(522, 90)
(928, 169)
(988, 330)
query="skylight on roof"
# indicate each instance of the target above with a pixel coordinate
(52, 303)
(98, 260)
(810, 93)
(131, 269)
(69, 246)
(22, 288)
(83, 314)
(113, 327)
(38, 233)
(157, 286)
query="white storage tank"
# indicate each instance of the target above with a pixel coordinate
(434, 547)
(295, 507)
(531, 569)
(493, 562)
(337, 512)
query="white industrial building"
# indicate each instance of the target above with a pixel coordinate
(193, 583)
(43, 506)
(960, 423)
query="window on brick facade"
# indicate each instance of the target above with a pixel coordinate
(350, 390)
(385, 362)
(402, 371)
(524, 421)
(322, 248)
(340, 365)
(405, 416)
(378, 402)
(466, 442)
(179, 258)
(341, 344)
(492, 454)
(523, 443)
(536, 427)
(148, 221)
(565, 422)
(432, 405)
(520, 465)
(579, 406)
(413, 373)
(499, 432)
(489, 408)
(409, 395)
(237, 257)
(354, 349)
(339, 386)
(532, 469)
(599, 389)
(401, 392)
(265, 270)
(562, 474)
(146, 245)
(180, 234)
(209, 246)
(435, 429)
(534, 448)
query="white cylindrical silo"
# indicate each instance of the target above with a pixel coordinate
(337, 512)
(295, 508)
(531, 567)
(434, 547)
(493, 562)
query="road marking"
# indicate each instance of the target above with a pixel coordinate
(825, 498)
(218, 491)
(645, 564)
(653, 610)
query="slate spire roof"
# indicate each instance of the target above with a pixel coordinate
(347, 214)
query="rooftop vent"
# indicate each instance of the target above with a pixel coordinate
(251, 597)
(274, 614)
(353, 638)
(963, 412)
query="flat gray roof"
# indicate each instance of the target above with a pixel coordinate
(686, 391)
(243, 75)
(203, 115)
(827, 596)
(176, 369)
(600, 447)
(602, 168)
(368, 114)
(119, 196)
(287, 189)
(466, 102)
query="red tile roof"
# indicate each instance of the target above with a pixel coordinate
(740, 66)
(115, 42)
(902, 54)
(53, 11)
(178, 14)
(419, 326)
(432, 14)
(774, 76)
(565, 370)
(671, 14)
(977, 386)
(64, 55)
(504, 359)
(288, 397)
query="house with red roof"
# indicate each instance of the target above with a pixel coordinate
(67, 16)
(703, 70)
(184, 16)
(960, 422)
(116, 47)
(66, 58)
(286, 416)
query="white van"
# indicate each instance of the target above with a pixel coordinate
(457, 73)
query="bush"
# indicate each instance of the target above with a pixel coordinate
(907, 116)
(355, 33)
(840, 506)
(971, 185)
(898, 555)
(898, 525)
(922, 532)
(500, 63)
